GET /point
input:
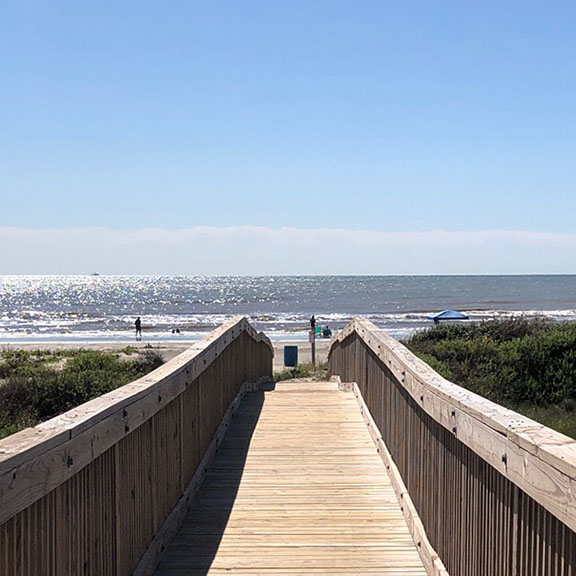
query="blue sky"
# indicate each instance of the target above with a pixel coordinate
(371, 116)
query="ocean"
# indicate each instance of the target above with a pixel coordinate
(104, 308)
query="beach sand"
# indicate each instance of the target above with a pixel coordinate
(171, 349)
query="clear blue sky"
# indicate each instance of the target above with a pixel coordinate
(389, 116)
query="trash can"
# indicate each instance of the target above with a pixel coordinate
(291, 356)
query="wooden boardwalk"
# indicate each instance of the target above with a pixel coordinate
(297, 487)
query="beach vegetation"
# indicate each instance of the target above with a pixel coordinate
(318, 372)
(526, 365)
(129, 350)
(38, 385)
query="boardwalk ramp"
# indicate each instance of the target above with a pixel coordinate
(297, 487)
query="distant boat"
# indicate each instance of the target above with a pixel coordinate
(448, 315)
(94, 274)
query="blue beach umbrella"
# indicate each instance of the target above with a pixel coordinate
(448, 315)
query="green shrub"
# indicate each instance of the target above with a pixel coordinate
(32, 391)
(318, 372)
(518, 363)
(440, 367)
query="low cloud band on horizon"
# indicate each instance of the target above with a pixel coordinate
(251, 250)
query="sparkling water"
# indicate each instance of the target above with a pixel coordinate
(105, 307)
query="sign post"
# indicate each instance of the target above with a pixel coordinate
(313, 339)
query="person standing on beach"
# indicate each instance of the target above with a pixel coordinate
(138, 325)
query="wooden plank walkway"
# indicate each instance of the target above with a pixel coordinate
(297, 487)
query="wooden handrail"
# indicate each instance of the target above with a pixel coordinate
(157, 427)
(408, 399)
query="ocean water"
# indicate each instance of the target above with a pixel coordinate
(103, 308)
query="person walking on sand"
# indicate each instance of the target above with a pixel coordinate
(138, 325)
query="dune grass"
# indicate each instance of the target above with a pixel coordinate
(318, 372)
(526, 365)
(37, 385)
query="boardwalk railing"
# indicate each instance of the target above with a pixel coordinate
(100, 489)
(494, 492)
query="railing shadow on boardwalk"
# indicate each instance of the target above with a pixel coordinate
(194, 548)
